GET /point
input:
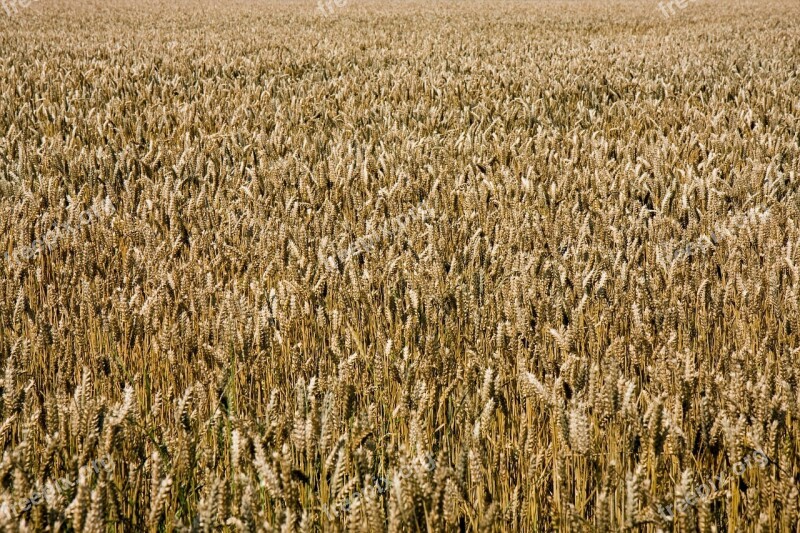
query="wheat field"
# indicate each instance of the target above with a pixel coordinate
(402, 266)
